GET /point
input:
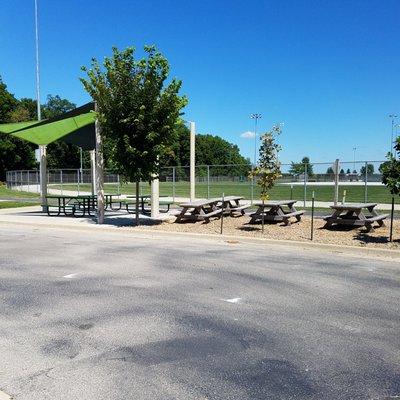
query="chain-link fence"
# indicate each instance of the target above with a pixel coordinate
(358, 181)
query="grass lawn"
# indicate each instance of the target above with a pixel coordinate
(13, 204)
(379, 194)
(15, 194)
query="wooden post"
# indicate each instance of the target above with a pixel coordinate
(43, 177)
(336, 172)
(99, 173)
(312, 215)
(93, 170)
(155, 198)
(192, 161)
(222, 214)
(263, 216)
(391, 222)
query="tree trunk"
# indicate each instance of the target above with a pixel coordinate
(137, 203)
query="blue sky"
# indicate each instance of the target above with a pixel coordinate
(330, 70)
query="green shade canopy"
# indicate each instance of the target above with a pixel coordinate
(15, 126)
(76, 127)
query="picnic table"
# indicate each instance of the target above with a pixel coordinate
(352, 214)
(69, 205)
(274, 211)
(145, 199)
(232, 206)
(199, 210)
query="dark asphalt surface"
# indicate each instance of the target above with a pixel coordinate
(94, 315)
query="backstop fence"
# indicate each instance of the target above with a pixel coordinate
(358, 181)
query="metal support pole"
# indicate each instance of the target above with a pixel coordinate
(208, 181)
(43, 177)
(99, 173)
(366, 182)
(155, 198)
(336, 172)
(29, 188)
(61, 181)
(118, 186)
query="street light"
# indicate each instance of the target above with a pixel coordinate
(393, 117)
(256, 117)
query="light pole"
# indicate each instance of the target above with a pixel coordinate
(256, 117)
(393, 117)
(39, 113)
(354, 158)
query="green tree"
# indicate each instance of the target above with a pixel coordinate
(14, 153)
(210, 150)
(391, 170)
(7, 102)
(268, 169)
(370, 169)
(138, 111)
(299, 168)
(56, 106)
(330, 170)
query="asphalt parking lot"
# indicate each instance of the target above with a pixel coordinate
(98, 315)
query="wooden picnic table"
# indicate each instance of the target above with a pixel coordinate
(199, 210)
(274, 211)
(232, 206)
(352, 214)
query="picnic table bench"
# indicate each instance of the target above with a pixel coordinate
(199, 210)
(273, 211)
(351, 214)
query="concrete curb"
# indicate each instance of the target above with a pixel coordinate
(152, 233)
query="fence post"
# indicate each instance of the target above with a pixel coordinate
(61, 181)
(305, 184)
(118, 186)
(173, 184)
(208, 181)
(78, 179)
(336, 172)
(29, 189)
(366, 182)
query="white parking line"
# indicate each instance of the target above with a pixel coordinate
(234, 300)
(70, 276)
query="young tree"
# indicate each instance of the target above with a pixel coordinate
(137, 110)
(268, 169)
(391, 170)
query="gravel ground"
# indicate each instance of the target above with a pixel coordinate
(296, 231)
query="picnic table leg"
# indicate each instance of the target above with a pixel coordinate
(374, 213)
(181, 215)
(257, 214)
(331, 220)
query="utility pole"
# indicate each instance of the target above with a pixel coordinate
(393, 117)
